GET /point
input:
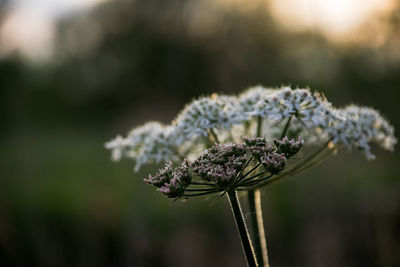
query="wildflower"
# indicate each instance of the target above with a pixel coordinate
(258, 146)
(221, 164)
(163, 176)
(358, 126)
(288, 147)
(118, 147)
(171, 182)
(159, 146)
(230, 165)
(249, 99)
(206, 113)
(151, 142)
(228, 118)
(274, 162)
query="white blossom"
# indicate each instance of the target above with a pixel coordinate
(151, 142)
(249, 100)
(158, 146)
(358, 126)
(231, 117)
(117, 146)
(206, 113)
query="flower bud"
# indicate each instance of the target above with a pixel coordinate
(288, 147)
(274, 162)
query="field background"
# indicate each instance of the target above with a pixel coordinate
(122, 63)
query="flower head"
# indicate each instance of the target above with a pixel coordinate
(203, 114)
(151, 142)
(258, 146)
(288, 147)
(274, 162)
(226, 119)
(358, 126)
(171, 182)
(118, 146)
(221, 164)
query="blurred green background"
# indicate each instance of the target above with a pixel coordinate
(116, 64)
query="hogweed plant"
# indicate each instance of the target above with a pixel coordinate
(221, 145)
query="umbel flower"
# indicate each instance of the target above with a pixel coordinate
(220, 145)
(226, 167)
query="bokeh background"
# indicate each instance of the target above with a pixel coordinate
(74, 73)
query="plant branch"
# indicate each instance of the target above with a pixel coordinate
(259, 126)
(244, 236)
(214, 135)
(259, 239)
(286, 127)
(251, 177)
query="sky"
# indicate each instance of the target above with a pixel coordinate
(29, 25)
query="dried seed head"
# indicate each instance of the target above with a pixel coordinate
(274, 162)
(172, 182)
(288, 147)
(221, 163)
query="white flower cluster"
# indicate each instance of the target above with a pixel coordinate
(150, 142)
(358, 126)
(276, 105)
(206, 113)
(310, 114)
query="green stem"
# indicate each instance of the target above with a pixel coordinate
(256, 219)
(259, 126)
(200, 194)
(247, 173)
(299, 167)
(248, 183)
(311, 157)
(214, 135)
(259, 241)
(201, 183)
(248, 179)
(286, 127)
(199, 189)
(239, 175)
(244, 236)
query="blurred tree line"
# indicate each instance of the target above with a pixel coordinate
(129, 61)
(126, 53)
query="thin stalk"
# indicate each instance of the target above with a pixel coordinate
(311, 157)
(244, 236)
(256, 181)
(251, 196)
(200, 194)
(244, 168)
(256, 219)
(299, 167)
(259, 126)
(201, 183)
(199, 189)
(247, 173)
(214, 135)
(251, 177)
(286, 127)
(258, 228)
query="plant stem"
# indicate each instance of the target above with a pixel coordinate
(299, 167)
(244, 236)
(256, 219)
(214, 135)
(260, 243)
(259, 126)
(248, 179)
(247, 173)
(286, 127)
